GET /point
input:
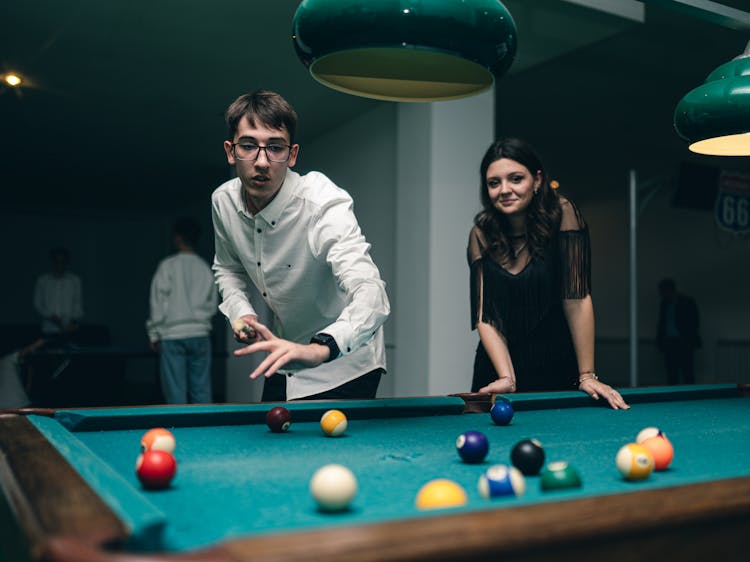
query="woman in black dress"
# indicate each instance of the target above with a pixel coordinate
(530, 282)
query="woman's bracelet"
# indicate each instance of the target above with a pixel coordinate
(586, 376)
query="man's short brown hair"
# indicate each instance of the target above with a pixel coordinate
(265, 106)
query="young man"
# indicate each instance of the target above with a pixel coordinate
(296, 239)
(183, 301)
(58, 298)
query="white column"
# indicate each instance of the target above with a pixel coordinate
(439, 149)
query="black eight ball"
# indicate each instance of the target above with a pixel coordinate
(528, 456)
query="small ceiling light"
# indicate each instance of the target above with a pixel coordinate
(715, 117)
(407, 50)
(12, 79)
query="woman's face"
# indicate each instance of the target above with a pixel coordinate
(511, 186)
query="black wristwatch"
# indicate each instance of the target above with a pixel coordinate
(327, 340)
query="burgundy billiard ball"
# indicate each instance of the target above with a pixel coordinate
(278, 419)
(155, 469)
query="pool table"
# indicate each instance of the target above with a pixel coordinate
(69, 491)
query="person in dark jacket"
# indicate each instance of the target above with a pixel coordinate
(677, 335)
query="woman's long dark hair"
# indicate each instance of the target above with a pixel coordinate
(544, 212)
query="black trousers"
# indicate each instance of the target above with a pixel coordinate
(364, 387)
(679, 359)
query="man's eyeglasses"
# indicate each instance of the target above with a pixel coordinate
(250, 151)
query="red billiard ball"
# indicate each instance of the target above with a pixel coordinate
(278, 419)
(155, 469)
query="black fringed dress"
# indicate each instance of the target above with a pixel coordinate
(527, 307)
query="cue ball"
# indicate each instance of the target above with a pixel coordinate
(528, 456)
(634, 461)
(472, 446)
(560, 476)
(155, 469)
(661, 449)
(278, 419)
(333, 487)
(439, 494)
(501, 480)
(333, 423)
(647, 433)
(501, 412)
(158, 439)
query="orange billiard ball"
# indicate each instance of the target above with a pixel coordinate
(333, 423)
(158, 439)
(661, 449)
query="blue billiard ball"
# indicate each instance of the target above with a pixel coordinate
(501, 412)
(472, 446)
(501, 480)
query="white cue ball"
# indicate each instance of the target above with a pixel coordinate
(333, 487)
(647, 433)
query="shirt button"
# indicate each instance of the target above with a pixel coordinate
(265, 295)
(348, 349)
(259, 231)
(273, 223)
(258, 264)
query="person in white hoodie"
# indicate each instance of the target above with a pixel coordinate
(183, 302)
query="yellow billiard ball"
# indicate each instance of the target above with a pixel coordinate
(634, 461)
(439, 494)
(333, 423)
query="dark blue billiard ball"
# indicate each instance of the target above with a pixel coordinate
(501, 412)
(472, 446)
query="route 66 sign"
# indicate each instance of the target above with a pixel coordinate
(733, 202)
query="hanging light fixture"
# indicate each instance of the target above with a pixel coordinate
(715, 117)
(405, 50)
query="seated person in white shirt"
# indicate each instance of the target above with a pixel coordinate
(296, 239)
(183, 302)
(58, 297)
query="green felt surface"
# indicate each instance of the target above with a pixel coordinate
(241, 479)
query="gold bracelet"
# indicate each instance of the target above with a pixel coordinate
(588, 376)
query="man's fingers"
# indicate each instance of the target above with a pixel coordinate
(264, 332)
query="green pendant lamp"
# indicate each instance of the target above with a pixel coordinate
(715, 117)
(405, 50)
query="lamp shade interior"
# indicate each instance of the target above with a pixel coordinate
(405, 50)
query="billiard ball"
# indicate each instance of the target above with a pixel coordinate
(333, 487)
(439, 494)
(155, 469)
(634, 461)
(560, 476)
(527, 456)
(661, 449)
(501, 412)
(158, 439)
(647, 433)
(472, 446)
(278, 419)
(333, 423)
(501, 480)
